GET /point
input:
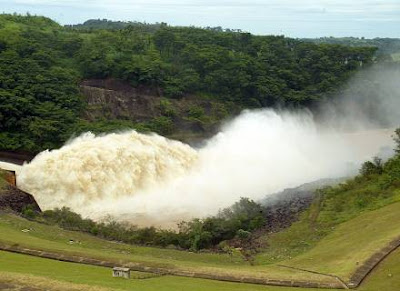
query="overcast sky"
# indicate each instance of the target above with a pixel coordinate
(295, 18)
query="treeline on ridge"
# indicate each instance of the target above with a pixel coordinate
(42, 64)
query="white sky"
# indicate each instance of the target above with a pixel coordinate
(295, 18)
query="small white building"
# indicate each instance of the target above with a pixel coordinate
(122, 272)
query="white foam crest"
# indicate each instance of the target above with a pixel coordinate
(90, 169)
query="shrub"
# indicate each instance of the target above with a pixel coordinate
(238, 220)
(167, 108)
(243, 234)
(372, 168)
(195, 112)
(29, 212)
(162, 125)
(396, 138)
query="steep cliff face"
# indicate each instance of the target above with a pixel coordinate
(117, 100)
(11, 198)
(193, 117)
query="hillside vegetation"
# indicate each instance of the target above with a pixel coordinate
(53, 275)
(43, 63)
(387, 47)
(338, 253)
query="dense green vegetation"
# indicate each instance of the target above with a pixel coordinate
(236, 221)
(42, 63)
(39, 97)
(105, 24)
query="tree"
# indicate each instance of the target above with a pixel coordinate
(396, 138)
(43, 63)
(372, 168)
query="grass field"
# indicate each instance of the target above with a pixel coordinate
(386, 276)
(52, 238)
(351, 242)
(363, 198)
(337, 253)
(16, 271)
(55, 275)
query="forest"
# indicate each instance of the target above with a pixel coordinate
(387, 47)
(43, 63)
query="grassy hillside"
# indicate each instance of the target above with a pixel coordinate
(373, 191)
(16, 272)
(51, 238)
(385, 276)
(337, 253)
(351, 243)
(53, 275)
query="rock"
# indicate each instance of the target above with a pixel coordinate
(11, 198)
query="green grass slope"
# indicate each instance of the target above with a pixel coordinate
(337, 253)
(16, 271)
(55, 275)
(386, 276)
(352, 243)
(54, 239)
(345, 224)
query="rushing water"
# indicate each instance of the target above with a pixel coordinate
(148, 179)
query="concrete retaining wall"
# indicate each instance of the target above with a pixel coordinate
(355, 280)
(362, 272)
(165, 271)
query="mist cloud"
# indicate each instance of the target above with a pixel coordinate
(370, 99)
